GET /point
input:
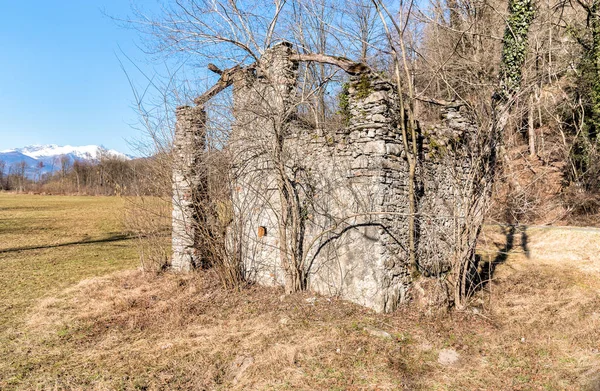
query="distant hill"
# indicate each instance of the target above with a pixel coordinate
(44, 159)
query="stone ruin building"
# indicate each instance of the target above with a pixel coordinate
(351, 183)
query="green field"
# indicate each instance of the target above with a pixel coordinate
(77, 313)
(48, 243)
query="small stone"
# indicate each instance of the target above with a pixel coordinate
(375, 147)
(379, 118)
(376, 97)
(378, 333)
(378, 109)
(311, 300)
(393, 149)
(360, 162)
(284, 320)
(239, 366)
(448, 357)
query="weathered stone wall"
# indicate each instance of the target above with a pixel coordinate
(445, 177)
(188, 187)
(373, 269)
(353, 188)
(352, 185)
(263, 103)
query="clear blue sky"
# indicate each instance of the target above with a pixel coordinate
(60, 79)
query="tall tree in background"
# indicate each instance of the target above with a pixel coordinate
(592, 64)
(585, 154)
(514, 51)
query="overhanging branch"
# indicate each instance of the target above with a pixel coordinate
(347, 65)
(224, 81)
(227, 75)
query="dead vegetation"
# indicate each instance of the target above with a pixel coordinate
(534, 327)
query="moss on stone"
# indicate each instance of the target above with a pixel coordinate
(436, 148)
(363, 87)
(344, 104)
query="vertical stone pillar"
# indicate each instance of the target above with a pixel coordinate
(279, 73)
(189, 184)
(380, 172)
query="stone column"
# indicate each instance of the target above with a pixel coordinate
(278, 73)
(379, 166)
(189, 184)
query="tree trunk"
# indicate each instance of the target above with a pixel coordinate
(594, 21)
(514, 51)
(531, 127)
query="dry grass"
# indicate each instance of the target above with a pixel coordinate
(46, 245)
(536, 328)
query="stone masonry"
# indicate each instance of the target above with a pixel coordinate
(188, 184)
(352, 184)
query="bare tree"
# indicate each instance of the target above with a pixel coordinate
(19, 171)
(2, 171)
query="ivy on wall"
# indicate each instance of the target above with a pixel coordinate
(514, 50)
(593, 71)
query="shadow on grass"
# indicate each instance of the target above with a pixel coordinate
(482, 271)
(114, 238)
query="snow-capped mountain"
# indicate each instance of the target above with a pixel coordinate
(87, 152)
(42, 159)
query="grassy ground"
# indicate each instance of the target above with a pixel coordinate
(80, 316)
(48, 244)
